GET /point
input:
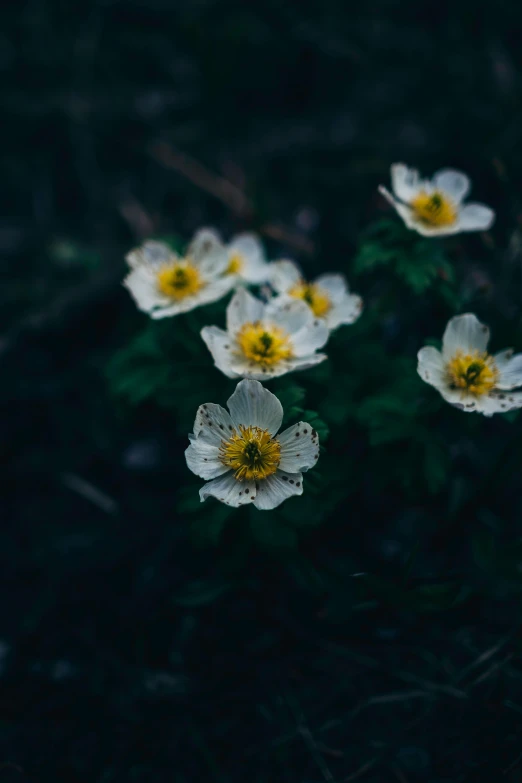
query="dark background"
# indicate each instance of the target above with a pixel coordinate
(120, 120)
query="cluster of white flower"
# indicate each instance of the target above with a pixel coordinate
(263, 339)
(240, 453)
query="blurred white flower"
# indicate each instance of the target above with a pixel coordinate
(164, 284)
(241, 455)
(264, 340)
(434, 207)
(466, 375)
(246, 262)
(327, 296)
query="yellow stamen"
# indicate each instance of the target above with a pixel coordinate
(179, 279)
(313, 295)
(252, 453)
(265, 345)
(434, 209)
(475, 373)
(235, 264)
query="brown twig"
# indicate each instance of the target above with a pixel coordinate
(281, 234)
(361, 771)
(226, 192)
(138, 220)
(204, 179)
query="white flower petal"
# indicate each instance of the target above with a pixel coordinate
(498, 402)
(421, 228)
(243, 308)
(459, 398)
(464, 333)
(272, 491)
(213, 422)
(309, 338)
(334, 285)
(510, 369)
(208, 252)
(229, 491)
(406, 214)
(347, 311)
(479, 218)
(405, 182)
(205, 241)
(221, 346)
(254, 406)
(305, 362)
(431, 366)
(248, 246)
(142, 285)
(299, 448)
(241, 367)
(151, 253)
(285, 275)
(454, 183)
(288, 313)
(475, 217)
(210, 292)
(202, 458)
(431, 231)
(255, 271)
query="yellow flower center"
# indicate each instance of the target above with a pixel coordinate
(475, 373)
(434, 209)
(252, 453)
(265, 345)
(313, 295)
(179, 279)
(235, 264)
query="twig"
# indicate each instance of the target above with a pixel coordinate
(492, 669)
(306, 734)
(89, 492)
(391, 698)
(226, 192)
(136, 217)
(281, 234)
(485, 656)
(399, 774)
(514, 764)
(358, 773)
(199, 175)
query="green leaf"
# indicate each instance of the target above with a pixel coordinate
(419, 263)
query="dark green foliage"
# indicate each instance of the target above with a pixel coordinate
(418, 262)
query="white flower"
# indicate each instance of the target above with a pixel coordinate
(246, 261)
(264, 340)
(434, 207)
(242, 454)
(466, 375)
(328, 296)
(163, 284)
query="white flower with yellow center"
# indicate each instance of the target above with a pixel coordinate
(327, 297)
(164, 284)
(242, 457)
(246, 261)
(264, 340)
(434, 207)
(468, 376)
